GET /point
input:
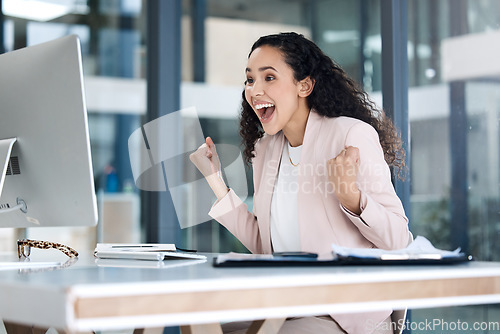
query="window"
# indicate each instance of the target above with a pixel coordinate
(454, 116)
(113, 61)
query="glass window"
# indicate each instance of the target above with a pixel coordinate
(432, 106)
(112, 45)
(352, 39)
(454, 117)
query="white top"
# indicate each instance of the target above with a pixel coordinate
(285, 236)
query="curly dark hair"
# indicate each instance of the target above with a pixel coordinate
(334, 94)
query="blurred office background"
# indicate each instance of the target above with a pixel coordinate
(453, 77)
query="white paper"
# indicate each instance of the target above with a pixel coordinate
(122, 247)
(152, 252)
(420, 248)
(243, 257)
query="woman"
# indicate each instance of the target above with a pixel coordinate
(320, 153)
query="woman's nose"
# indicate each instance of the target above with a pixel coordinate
(257, 89)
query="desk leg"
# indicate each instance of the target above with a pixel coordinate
(60, 331)
(202, 329)
(13, 328)
(268, 326)
(154, 330)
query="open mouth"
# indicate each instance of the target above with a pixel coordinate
(265, 111)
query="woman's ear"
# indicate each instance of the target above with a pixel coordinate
(306, 87)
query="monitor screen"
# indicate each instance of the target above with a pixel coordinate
(43, 123)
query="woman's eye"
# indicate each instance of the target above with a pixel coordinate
(269, 78)
(249, 81)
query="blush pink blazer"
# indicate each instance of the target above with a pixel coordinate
(322, 220)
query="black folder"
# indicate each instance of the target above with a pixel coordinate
(225, 261)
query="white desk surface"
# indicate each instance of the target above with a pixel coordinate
(89, 295)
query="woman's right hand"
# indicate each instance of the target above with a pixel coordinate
(205, 158)
(207, 161)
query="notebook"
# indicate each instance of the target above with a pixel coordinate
(149, 252)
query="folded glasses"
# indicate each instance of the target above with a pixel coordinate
(24, 247)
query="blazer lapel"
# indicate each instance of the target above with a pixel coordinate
(273, 160)
(307, 200)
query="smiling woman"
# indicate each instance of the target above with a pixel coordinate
(276, 97)
(301, 113)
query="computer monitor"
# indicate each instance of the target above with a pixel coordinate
(45, 160)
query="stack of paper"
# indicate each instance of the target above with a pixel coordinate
(153, 252)
(419, 249)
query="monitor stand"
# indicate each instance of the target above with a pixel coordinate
(5, 150)
(12, 263)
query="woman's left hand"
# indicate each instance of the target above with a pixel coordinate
(342, 173)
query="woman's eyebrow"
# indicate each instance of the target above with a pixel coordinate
(262, 69)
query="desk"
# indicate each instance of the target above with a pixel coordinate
(90, 296)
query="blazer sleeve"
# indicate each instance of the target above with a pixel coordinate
(233, 214)
(382, 221)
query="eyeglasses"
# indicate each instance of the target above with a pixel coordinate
(24, 247)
